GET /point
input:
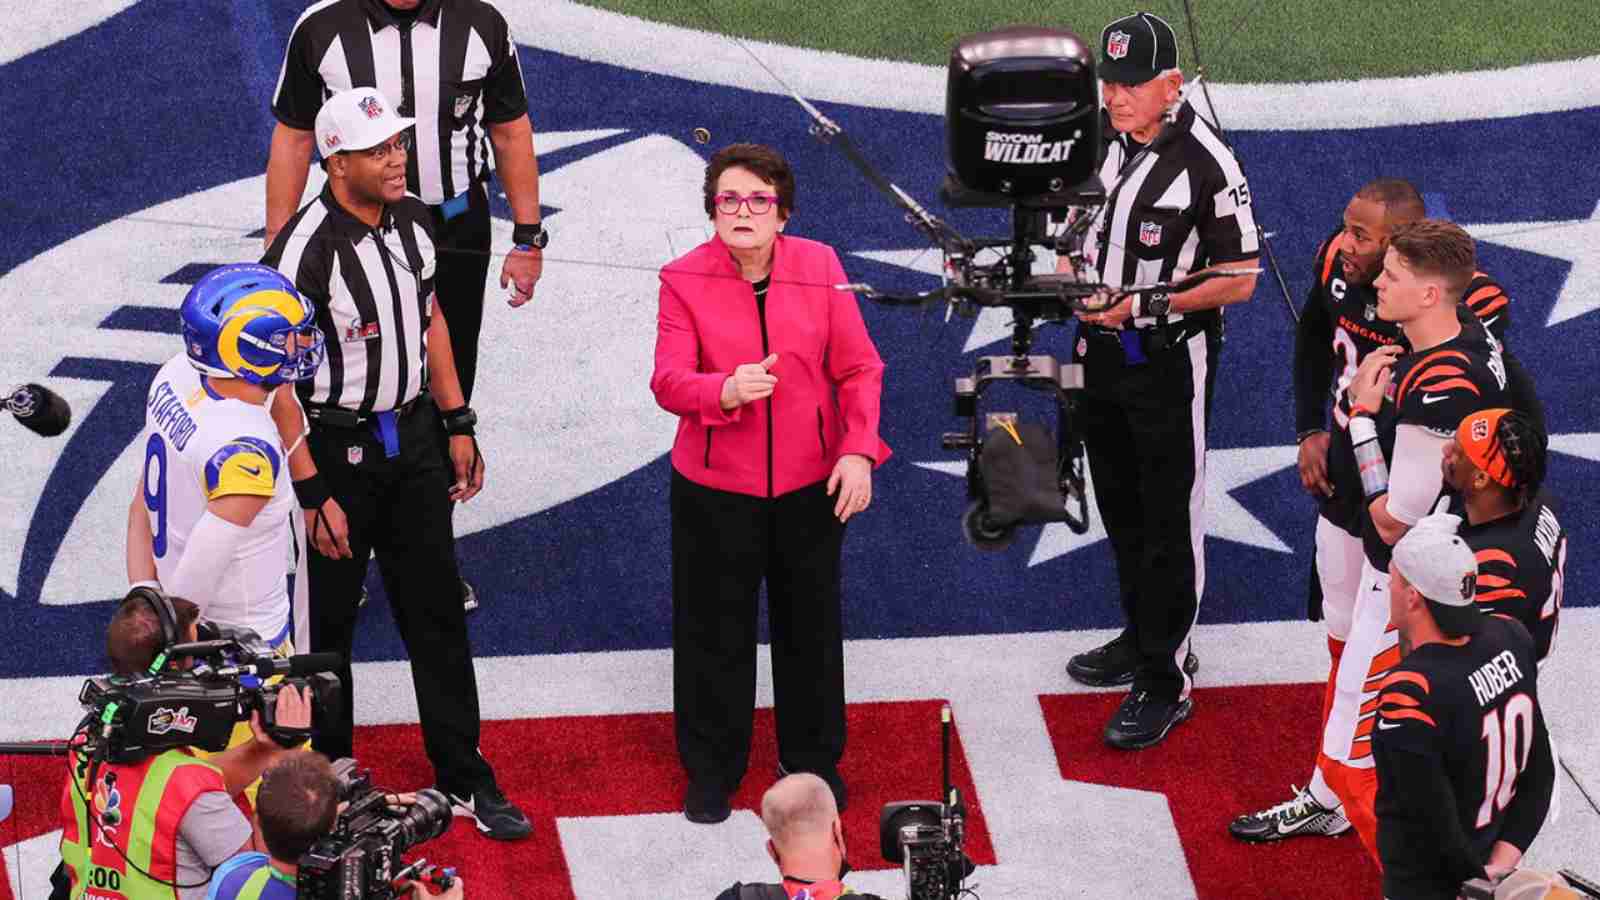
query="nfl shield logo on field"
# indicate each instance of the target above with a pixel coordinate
(353, 455)
(1117, 44)
(1149, 234)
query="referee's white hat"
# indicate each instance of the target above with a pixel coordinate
(1443, 569)
(356, 120)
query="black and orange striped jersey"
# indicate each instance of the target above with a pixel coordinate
(1459, 729)
(1522, 559)
(1434, 390)
(1344, 317)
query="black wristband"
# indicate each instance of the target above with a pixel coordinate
(312, 492)
(459, 421)
(532, 235)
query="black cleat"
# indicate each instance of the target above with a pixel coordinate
(1302, 815)
(1144, 719)
(1114, 663)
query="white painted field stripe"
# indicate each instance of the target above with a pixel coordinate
(31, 25)
(602, 36)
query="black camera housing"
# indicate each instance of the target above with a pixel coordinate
(1022, 118)
(362, 857)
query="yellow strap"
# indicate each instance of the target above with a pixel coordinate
(1011, 429)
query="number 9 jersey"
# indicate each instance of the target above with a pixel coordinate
(198, 446)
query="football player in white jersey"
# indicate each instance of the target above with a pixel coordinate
(210, 518)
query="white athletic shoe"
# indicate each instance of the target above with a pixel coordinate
(1300, 816)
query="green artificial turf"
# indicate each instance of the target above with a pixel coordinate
(1240, 40)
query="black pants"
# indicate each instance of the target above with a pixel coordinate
(399, 509)
(463, 265)
(1145, 435)
(723, 545)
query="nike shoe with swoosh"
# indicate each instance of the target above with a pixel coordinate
(1302, 815)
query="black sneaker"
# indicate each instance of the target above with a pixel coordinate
(1302, 815)
(705, 803)
(469, 596)
(1144, 719)
(1113, 664)
(496, 816)
(841, 796)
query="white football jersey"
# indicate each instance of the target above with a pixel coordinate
(197, 446)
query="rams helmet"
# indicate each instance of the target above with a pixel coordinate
(247, 321)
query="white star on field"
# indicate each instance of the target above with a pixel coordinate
(1574, 240)
(1226, 518)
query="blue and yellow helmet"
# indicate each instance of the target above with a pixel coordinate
(247, 321)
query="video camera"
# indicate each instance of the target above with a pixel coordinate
(360, 860)
(926, 837)
(1023, 131)
(131, 717)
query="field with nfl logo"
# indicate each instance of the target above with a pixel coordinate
(136, 141)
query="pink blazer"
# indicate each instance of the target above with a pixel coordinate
(830, 376)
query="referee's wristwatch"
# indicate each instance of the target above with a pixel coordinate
(1153, 303)
(530, 237)
(459, 422)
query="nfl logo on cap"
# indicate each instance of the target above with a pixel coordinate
(1149, 234)
(371, 107)
(1117, 44)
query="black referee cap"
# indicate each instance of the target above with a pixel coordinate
(1137, 48)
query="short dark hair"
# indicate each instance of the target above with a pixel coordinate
(1439, 249)
(1401, 201)
(297, 803)
(134, 636)
(759, 160)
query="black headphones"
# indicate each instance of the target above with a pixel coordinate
(165, 614)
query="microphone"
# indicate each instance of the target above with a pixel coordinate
(5, 802)
(299, 665)
(39, 409)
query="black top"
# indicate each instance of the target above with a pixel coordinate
(1180, 205)
(463, 46)
(1434, 389)
(1463, 760)
(1342, 317)
(1522, 560)
(373, 292)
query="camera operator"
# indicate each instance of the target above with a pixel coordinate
(805, 839)
(297, 804)
(1177, 204)
(157, 826)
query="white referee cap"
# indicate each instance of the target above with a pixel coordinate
(1443, 569)
(356, 120)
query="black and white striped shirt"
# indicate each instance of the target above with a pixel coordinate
(1177, 206)
(373, 293)
(454, 69)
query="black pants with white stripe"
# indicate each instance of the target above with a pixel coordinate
(1144, 428)
(723, 546)
(399, 510)
(459, 278)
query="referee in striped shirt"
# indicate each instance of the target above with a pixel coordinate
(376, 474)
(1177, 204)
(452, 66)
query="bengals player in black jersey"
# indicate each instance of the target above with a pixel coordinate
(1464, 768)
(1403, 408)
(1495, 468)
(1341, 315)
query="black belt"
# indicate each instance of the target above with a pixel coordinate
(339, 417)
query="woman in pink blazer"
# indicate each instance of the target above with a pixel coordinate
(776, 386)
